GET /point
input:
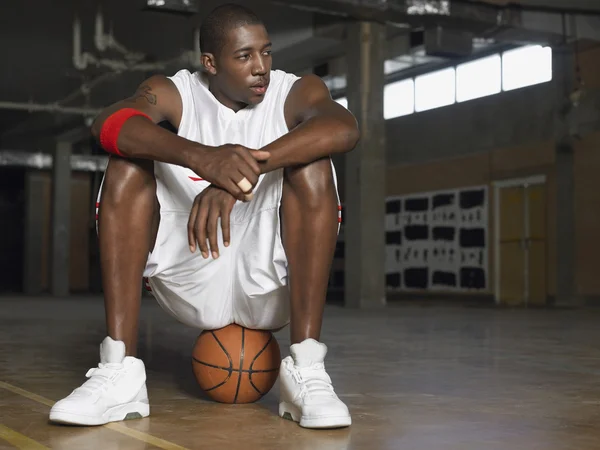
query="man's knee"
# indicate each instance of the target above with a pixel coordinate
(129, 195)
(127, 178)
(313, 182)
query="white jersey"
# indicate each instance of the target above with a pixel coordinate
(209, 122)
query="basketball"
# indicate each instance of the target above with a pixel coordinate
(235, 364)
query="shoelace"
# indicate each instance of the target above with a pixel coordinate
(100, 376)
(312, 380)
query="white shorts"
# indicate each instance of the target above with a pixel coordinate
(246, 285)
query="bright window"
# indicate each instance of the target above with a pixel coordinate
(399, 99)
(514, 69)
(435, 89)
(479, 78)
(526, 66)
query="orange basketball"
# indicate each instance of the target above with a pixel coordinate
(235, 364)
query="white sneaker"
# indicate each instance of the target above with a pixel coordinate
(306, 393)
(116, 390)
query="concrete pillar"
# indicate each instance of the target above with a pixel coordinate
(364, 212)
(61, 218)
(565, 230)
(564, 67)
(35, 202)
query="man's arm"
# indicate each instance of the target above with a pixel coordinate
(319, 127)
(231, 167)
(141, 138)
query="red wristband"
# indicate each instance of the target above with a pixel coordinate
(112, 127)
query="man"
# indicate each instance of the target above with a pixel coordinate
(232, 220)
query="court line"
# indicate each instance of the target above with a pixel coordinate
(139, 435)
(27, 394)
(19, 440)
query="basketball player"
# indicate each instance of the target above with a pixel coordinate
(233, 219)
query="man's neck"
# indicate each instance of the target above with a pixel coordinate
(224, 100)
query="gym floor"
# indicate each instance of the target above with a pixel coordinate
(413, 377)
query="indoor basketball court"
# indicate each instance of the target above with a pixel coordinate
(461, 292)
(414, 377)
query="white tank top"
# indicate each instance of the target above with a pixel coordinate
(209, 122)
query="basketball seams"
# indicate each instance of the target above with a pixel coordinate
(254, 386)
(252, 364)
(229, 369)
(224, 350)
(261, 352)
(221, 383)
(237, 389)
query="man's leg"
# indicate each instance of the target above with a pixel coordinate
(310, 224)
(127, 227)
(128, 217)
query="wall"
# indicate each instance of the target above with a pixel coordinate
(498, 121)
(587, 210)
(587, 186)
(482, 169)
(510, 135)
(504, 136)
(82, 210)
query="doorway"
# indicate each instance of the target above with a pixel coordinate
(521, 242)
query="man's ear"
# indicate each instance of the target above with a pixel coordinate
(209, 63)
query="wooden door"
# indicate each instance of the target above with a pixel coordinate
(512, 258)
(522, 245)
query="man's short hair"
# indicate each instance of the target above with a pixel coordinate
(220, 20)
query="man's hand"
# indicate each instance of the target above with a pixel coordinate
(212, 203)
(233, 168)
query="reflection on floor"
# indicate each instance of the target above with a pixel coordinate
(414, 378)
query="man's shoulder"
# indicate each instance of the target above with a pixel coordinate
(282, 83)
(183, 74)
(310, 80)
(281, 75)
(189, 82)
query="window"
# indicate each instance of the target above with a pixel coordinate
(435, 89)
(514, 69)
(399, 99)
(526, 66)
(479, 78)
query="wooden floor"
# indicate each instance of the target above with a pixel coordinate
(414, 378)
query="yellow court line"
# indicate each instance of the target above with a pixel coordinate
(27, 394)
(18, 440)
(139, 435)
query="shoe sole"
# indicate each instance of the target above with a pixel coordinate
(130, 411)
(290, 412)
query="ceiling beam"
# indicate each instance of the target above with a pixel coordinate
(509, 22)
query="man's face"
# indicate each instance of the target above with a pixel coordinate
(243, 65)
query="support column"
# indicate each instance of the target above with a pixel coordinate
(33, 253)
(61, 217)
(565, 230)
(565, 128)
(364, 212)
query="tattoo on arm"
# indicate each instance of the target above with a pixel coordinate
(144, 91)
